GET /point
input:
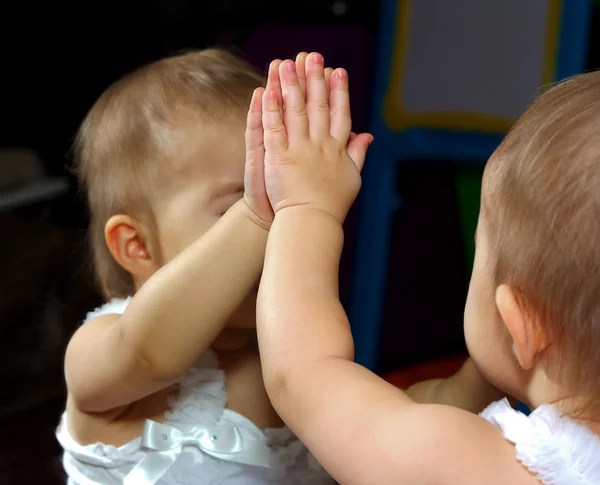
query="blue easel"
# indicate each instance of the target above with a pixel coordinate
(460, 135)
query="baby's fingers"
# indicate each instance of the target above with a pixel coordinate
(296, 119)
(274, 82)
(254, 173)
(255, 150)
(317, 97)
(357, 148)
(328, 73)
(341, 121)
(275, 136)
(301, 70)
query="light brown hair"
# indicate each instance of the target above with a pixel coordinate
(132, 127)
(542, 203)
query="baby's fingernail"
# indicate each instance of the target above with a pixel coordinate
(343, 74)
(317, 59)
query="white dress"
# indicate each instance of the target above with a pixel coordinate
(555, 448)
(200, 442)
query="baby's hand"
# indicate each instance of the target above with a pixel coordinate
(255, 194)
(309, 158)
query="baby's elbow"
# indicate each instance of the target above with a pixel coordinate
(85, 401)
(277, 384)
(84, 393)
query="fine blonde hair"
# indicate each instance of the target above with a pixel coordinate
(131, 128)
(542, 192)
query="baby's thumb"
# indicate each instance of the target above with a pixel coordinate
(357, 148)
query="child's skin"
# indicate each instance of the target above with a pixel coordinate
(121, 369)
(363, 430)
(467, 389)
(196, 281)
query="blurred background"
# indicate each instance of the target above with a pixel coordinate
(436, 82)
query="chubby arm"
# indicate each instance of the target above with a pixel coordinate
(362, 430)
(115, 360)
(467, 389)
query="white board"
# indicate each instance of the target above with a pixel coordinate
(474, 56)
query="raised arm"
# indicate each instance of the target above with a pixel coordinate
(363, 430)
(115, 360)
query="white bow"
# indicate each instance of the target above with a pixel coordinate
(221, 441)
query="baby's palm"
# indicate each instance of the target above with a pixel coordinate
(312, 158)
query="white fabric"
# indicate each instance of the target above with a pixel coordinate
(555, 448)
(200, 402)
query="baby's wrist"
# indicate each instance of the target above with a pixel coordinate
(247, 212)
(308, 214)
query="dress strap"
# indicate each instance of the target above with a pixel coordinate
(557, 449)
(116, 306)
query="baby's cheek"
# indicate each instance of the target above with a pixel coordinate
(478, 334)
(470, 320)
(182, 232)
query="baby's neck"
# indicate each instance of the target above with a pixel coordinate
(543, 390)
(576, 410)
(594, 426)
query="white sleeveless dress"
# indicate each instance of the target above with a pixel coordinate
(200, 442)
(555, 448)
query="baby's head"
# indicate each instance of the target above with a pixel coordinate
(161, 156)
(532, 320)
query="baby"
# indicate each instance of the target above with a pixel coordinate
(164, 381)
(532, 318)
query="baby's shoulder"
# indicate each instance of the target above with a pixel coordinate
(86, 336)
(94, 325)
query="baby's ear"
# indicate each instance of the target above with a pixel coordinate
(522, 324)
(128, 242)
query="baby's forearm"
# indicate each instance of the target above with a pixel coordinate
(300, 318)
(182, 308)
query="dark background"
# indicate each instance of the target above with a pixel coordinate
(56, 61)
